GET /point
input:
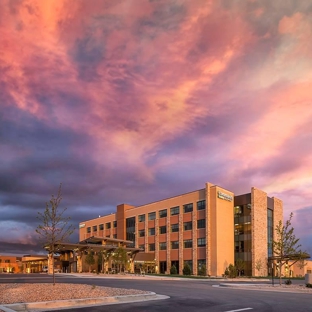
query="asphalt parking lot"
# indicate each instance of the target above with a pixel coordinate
(185, 295)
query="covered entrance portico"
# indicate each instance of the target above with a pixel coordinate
(73, 257)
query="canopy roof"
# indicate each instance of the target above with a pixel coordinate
(94, 243)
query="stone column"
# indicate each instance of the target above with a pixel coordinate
(168, 244)
(157, 243)
(50, 263)
(79, 262)
(194, 238)
(146, 233)
(181, 259)
(259, 229)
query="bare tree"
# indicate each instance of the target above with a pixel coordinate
(259, 266)
(120, 258)
(54, 228)
(287, 247)
(240, 265)
(90, 260)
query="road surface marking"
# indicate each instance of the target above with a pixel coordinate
(240, 310)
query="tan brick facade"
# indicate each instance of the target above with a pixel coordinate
(259, 245)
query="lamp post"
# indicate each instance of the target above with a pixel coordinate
(272, 268)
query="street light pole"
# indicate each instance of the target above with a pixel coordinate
(272, 264)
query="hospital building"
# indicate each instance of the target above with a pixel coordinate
(208, 228)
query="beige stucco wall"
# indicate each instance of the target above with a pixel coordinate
(221, 238)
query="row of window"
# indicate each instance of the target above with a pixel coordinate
(188, 243)
(173, 211)
(101, 227)
(187, 226)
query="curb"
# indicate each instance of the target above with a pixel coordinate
(263, 287)
(162, 278)
(69, 304)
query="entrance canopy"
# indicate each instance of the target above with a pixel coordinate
(95, 244)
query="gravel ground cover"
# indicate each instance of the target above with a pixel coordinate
(22, 293)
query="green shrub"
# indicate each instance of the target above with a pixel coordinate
(187, 269)
(232, 271)
(288, 282)
(173, 270)
(226, 272)
(202, 270)
(309, 285)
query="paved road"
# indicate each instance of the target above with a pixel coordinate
(185, 295)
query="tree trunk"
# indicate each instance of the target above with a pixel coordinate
(53, 274)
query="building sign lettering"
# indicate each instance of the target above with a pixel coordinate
(225, 196)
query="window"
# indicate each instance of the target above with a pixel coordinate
(114, 235)
(101, 227)
(188, 243)
(130, 229)
(187, 226)
(188, 208)
(175, 227)
(151, 247)
(152, 216)
(162, 229)
(175, 245)
(151, 231)
(141, 218)
(175, 210)
(108, 225)
(201, 224)
(94, 228)
(201, 205)
(201, 242)
(141, 233)
(163, 246)
(142, 247)
(163, 213)
(114, 224)
(89, 229)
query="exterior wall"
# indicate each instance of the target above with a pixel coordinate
(96, 222)
(218, 231)
(10, 264)
(299, 270)
(277, 214)
(222, 230)
(259, 230)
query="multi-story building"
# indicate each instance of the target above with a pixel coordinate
(209, 227)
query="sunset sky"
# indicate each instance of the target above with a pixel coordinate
(132, 101)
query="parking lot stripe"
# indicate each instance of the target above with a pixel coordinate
(239, 310)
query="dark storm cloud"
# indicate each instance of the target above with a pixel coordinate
(9, 247)
(165, 17)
